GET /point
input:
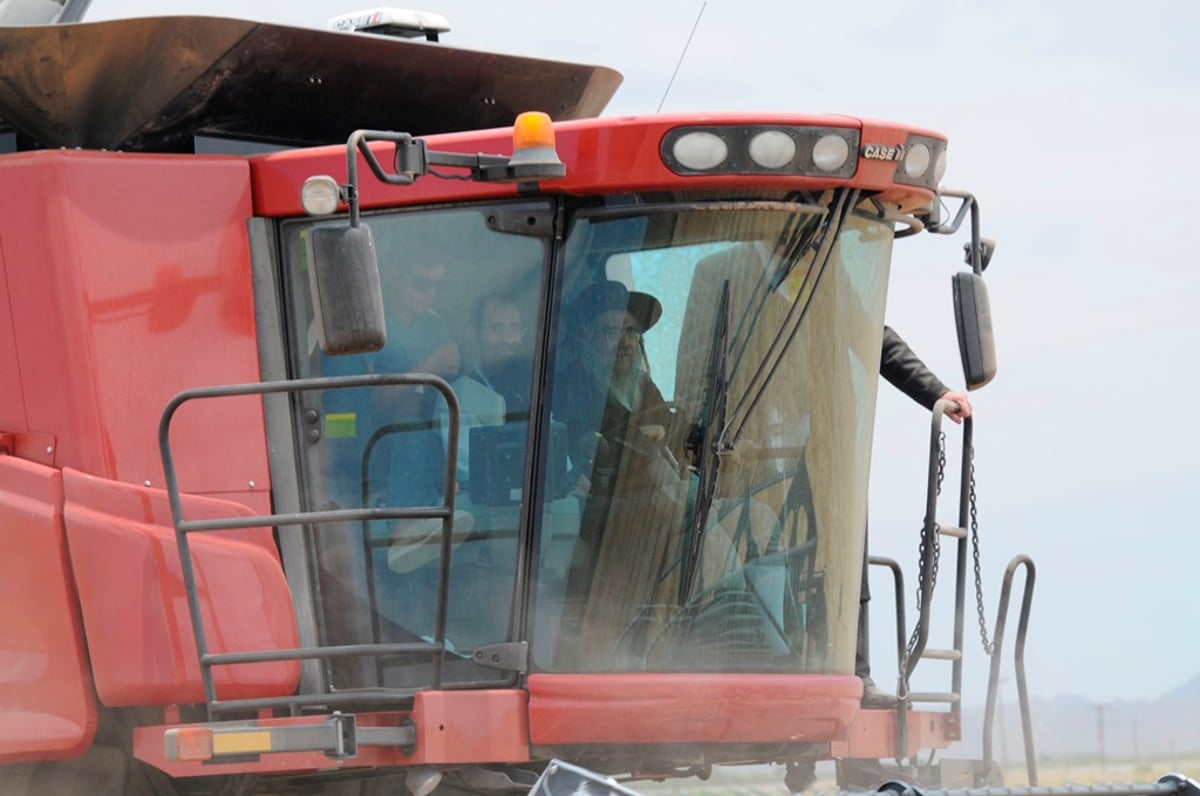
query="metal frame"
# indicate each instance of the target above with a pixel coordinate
(296, 522)
(917, 650)
(1018, 661)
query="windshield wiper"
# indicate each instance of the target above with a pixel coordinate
(708, 457)
(790, 326)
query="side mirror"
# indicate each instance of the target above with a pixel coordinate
(973, 317)
(343, 273)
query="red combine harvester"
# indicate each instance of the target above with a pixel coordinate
(334, 485)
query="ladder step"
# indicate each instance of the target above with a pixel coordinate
(942, 655)
(950, 530)
(933, 696)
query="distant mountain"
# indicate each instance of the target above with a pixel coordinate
(1072, 727)
(1188, 692)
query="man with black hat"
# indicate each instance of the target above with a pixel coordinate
(607, 376)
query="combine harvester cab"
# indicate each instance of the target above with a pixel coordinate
(421, 481)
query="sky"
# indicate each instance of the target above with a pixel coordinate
(1077, 127)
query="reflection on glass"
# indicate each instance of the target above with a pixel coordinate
(460, 296)
(713, 376)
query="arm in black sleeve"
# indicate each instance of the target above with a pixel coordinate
(907, 373)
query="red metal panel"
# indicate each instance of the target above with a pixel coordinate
(872, 736)
(689, 708)
(129, 280)
(48, 375)
(46, 705)
(12, 402)
(126, 564)
(471, 726)
(602, 156)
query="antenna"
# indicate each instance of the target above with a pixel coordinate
(679, 63)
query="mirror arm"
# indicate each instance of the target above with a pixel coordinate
(413, 160)
(975, 250)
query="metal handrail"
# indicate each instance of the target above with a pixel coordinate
(901, 683)
(928, 557)
(1018, 662)
(928, 567)
(435, 648)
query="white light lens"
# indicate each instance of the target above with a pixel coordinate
(772, 149)
(700, 150)
(939, 167)
(319, 196)
(916, 162)
(830, 153)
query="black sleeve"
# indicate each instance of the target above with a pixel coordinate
(907, 373)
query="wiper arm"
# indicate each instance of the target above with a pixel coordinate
(788, 330)
(708, 457)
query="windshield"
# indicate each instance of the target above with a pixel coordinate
(713, 385)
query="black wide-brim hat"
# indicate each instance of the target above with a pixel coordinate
(611, 295)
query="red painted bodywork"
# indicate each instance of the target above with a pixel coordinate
(128, 280)
(45, 689)
(603, 156)
(140, 638)
(872, 736)
(689, 708)
(123, 280)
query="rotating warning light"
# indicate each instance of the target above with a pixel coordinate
(534, 154)
(319, 196)
(786, 150)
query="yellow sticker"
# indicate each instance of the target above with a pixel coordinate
(247, 742)
(341, 425)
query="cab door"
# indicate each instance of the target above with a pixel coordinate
(462, 290)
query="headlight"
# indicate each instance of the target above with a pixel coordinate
(939, 167)
(700, 150)
(923, 163)
(916, 160)
(319, 196)
(772, 149)
(830, 152)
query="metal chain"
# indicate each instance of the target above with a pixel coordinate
(931, 538)
(988, 646)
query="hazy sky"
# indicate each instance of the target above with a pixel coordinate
(1078, 127)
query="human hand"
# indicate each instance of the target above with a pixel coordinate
(583, 486)
(963, 408)
(443, 362)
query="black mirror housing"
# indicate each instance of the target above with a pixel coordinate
(973, 317)
(343, 273)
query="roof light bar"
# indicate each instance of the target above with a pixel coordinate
(761, 149)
